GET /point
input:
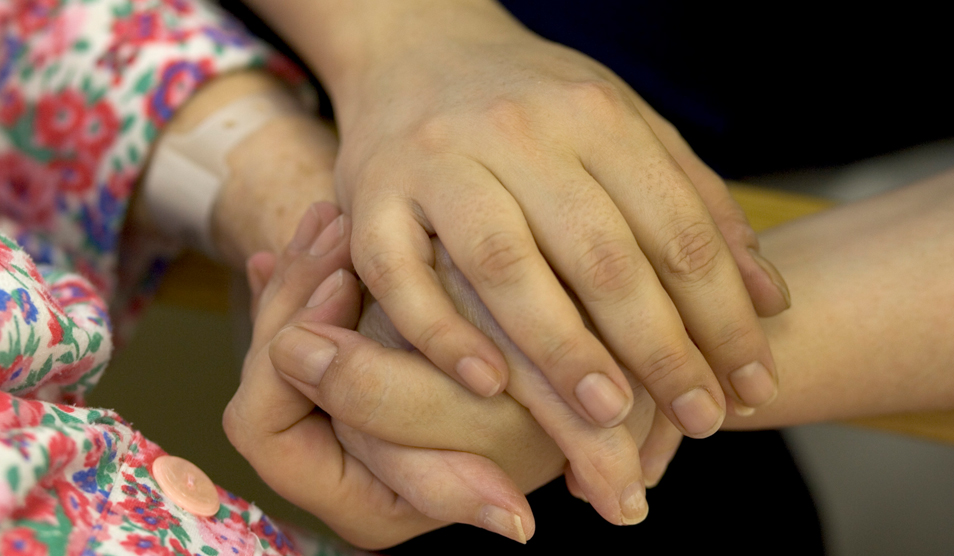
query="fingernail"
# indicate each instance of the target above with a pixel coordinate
(326, 289)
(330, 237)
(773, 275)
(480, 376)
(602, 399)
(742, 410)
(307, 229)
(754, 384)
(502, 522)
(312, 356)
(698, 412)
(633, 505)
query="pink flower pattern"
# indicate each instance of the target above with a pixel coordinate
(85, 87)
(77, 480)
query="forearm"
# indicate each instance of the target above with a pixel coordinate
(871, 322)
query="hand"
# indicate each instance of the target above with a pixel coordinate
(534, 164)
(604, 464)
(268, 417)
(395, 395)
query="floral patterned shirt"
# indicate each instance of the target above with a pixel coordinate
(85, 86)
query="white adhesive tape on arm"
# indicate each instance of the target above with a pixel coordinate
(188, 169)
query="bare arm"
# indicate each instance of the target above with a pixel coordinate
(872, 321)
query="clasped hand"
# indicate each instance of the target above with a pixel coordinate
(400, 448)
(538, 167)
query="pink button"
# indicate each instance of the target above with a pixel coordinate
(186, 485)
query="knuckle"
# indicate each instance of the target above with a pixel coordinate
(598, 97)
(237, 429)
(500, 259)
(734, 335)
(607, 267)
(434, 134)
(361, 395)
(693, 252)
(434, 334)
(383, 272)
(664, 363)
(558, 351)
(665, 129)
(231, 427)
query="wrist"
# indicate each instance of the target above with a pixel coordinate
(347, 43)
(160, 206)
(277, 173)
(235, 165)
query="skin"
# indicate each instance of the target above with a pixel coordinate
(823, 357)
(383, 474)
(299, 153)
(536, 167)
(845, 351)
(870, 331)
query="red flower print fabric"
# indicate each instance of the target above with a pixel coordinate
(85, 87)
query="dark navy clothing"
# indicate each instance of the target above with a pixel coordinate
(770, 86)
(735, 492)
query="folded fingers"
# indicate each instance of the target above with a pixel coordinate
(445, 485)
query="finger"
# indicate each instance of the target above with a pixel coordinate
(766, 286)
(572, 485)
(402, 398)
(658, 449)
(298, 273)
(265, 398)
(590, 244)
(315, 220)
(449, 486)
(693, 263)
(258, 269)
(364, 390)
(604, 461)
(495, 250)
(400, 277)
(268, 416)
(317, 475)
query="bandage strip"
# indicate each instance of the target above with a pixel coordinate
(188, 169)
